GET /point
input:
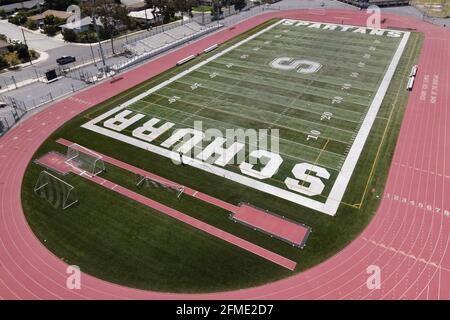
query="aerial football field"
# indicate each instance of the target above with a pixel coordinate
(326, 103)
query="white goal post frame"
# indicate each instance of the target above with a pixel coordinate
(141, 179)
(71, 189)
(77, 149)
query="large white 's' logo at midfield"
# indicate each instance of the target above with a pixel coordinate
(290, 64)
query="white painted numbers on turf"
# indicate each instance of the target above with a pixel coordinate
(302, 181)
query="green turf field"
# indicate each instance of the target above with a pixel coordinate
(317, 114)
(120, 241)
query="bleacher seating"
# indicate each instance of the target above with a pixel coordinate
(157, 41)
(157, 44)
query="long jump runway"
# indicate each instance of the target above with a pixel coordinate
(408, 239)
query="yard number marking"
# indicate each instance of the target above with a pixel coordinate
(337, 100)
(326, 116)
(314, 134)
(173, 99)
(196, 86)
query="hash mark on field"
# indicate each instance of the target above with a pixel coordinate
(227, 125)
(241, 115)
(290, 142)
(301, 102)
(279, 117)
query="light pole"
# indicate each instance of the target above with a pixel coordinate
(146, 18)
(26, 46)
(94, 21)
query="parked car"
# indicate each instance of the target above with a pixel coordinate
(3, 105)
(15, 41)
(65, 60)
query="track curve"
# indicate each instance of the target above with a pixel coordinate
(408, 242)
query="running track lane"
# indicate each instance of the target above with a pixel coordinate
(189, 191)
(195, 223)
(408, 242)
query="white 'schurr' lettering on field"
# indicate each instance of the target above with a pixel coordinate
(309, 183)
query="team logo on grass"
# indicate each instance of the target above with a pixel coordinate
(317, 107)
(290, 64)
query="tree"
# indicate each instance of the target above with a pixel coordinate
(31, 24)
(184, 6)
(164, 10)
(51, 24)
(3, 63)
(216, 10)
(19, 19)
(3, 14)
(12, 59)
(156, 7)
(22, 52)
(69, 35)
(113, 16)
(239, 5)
(60, 4)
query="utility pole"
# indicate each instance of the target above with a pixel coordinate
(92, 51)
(25, 43)
(23, 35)
(94, 21)
(146, 18)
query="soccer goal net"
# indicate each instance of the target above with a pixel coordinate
(56, 191)
(84, 160)
(144, 181)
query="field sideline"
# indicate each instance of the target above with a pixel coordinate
(323, 117)
(141, 230)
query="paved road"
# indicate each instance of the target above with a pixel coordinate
(86, 54)
(408, 239)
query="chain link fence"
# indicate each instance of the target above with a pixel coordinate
(84, 71)
(14, 108)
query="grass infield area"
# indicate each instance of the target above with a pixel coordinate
(121, 241)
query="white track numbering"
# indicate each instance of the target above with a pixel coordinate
(306, 178)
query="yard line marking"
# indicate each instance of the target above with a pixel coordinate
(340, 185)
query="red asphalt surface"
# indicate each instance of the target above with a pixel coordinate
(262, 220)
(272, 224)
(54, 162)
(406, 239)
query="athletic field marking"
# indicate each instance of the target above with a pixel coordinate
(372, 169)
(223, 235)
(338, 189)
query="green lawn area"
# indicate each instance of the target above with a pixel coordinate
(202, 9)
(120, 241)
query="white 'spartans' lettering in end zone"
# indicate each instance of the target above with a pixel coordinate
(304, 182)
(344, 28)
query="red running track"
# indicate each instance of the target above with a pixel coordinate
(407, 239)
(284, 229)
(255, 218)
(57, 163)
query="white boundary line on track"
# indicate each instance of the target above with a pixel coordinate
(340, 185)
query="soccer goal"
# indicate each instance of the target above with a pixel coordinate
(142, 181)
(84, 160)
(56, 191)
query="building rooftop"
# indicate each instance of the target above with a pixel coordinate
(56, 13)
